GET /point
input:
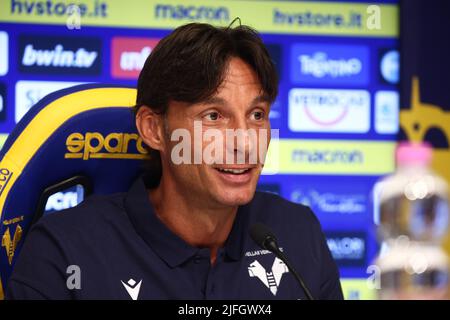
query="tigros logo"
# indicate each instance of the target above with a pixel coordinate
(320, 65)
(59, 55)
(329, 64)
(93, 145)
(128, 56)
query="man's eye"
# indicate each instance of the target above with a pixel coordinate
(212, 116)
(258, 115)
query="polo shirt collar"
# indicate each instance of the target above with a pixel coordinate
(167, 245)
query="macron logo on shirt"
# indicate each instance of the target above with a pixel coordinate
(132, 288)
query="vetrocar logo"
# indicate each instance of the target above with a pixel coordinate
(322, 110)
(129, 55)
(329, 64)
(114, 146)
(347, 248)
(59, 55)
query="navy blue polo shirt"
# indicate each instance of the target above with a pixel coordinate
(115, 247)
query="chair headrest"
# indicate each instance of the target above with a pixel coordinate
(84, 134)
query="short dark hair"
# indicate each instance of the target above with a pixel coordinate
(189, 64)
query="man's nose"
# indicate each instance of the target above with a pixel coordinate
(242, 141)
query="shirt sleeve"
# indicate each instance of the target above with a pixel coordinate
(40, 270)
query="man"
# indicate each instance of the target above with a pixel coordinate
(182, 231)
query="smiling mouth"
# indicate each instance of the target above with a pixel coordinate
(236, 176)
(233, 171)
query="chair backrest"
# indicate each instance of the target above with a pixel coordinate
(85, 136)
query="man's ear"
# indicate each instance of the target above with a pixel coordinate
(150, 126)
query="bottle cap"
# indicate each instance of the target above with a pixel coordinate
(414, 153)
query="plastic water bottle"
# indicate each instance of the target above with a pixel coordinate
(412, 217)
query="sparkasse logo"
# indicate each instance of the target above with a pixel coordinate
(115, 145)
(59, 55)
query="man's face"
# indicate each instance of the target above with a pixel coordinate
(238, 104)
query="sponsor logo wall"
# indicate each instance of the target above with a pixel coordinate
(337, 108)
